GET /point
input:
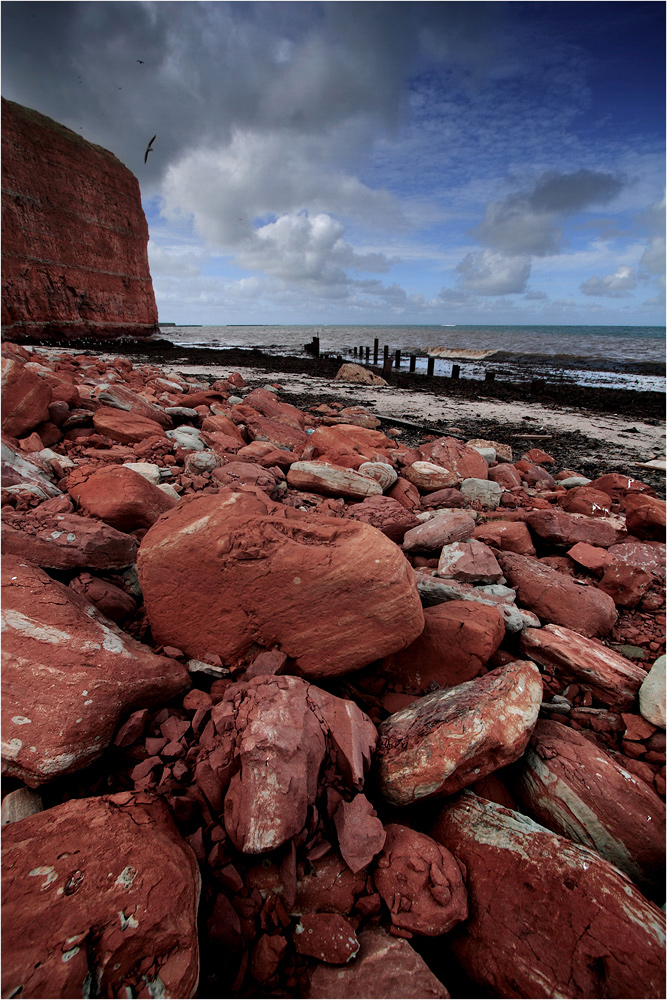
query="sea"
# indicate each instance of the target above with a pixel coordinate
(627, 357)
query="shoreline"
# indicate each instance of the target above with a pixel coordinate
(594, 431)
(635, 403)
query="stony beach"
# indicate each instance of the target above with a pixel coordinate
(315, 688)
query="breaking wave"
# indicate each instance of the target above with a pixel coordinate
(460, 352)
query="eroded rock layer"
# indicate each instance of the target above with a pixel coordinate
(74, 235)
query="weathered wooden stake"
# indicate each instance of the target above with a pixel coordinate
(376, 347)
(489, 376)
(368, 353)
(413, 362)
(386, 367)
(456, 371)
(397, 359)
(430, 366)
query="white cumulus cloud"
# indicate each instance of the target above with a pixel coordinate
(487, 273)
(616, 286)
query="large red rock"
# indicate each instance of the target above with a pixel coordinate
(31, 474)
(506, 476)
(626, 585)
(459, 638)
(547, 917)
(387, 515)
(648, 556)
(68, 676)
(556, 598)
(277, 432)
(450, 739)
(571, 786)
(234, 473)
(74, 235)
(67, 541)
(645, 517)
(332, 480)
(450, 526)
(469, 562)
(456, 456)
(585, 500)
(121, 397)
(347, 444)
(280, 750)
(613, 680)
(124, 426)
(99, 895)
(333, 594)
(618, 486)
(328, 937)
(269, 405)
(263, 752)
(25, 398)
(119, 496)
(420, 882)
(557, 527)
(428, 477)
(508, 536)
(110, 600)
(386, 967)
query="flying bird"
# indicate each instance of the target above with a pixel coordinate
(140, 61)
(149, 148)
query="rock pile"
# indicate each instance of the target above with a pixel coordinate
(286, 701)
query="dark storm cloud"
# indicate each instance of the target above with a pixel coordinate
(195, 72)
(528, 222)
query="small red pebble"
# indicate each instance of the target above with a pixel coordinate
(196, 699)
(173, 652)
(327, 937)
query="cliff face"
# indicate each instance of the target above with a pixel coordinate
(74, 236)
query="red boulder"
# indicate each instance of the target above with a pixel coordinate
(420, 882)
(571, 786)
(547, 917)
(271, 576)
(557, 598)
(68, 676)
(115, 864)
(459, 638)
(120, 496)
(450, 739)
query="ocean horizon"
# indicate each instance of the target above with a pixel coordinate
(631, 357)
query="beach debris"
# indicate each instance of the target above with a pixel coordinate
(279, 549)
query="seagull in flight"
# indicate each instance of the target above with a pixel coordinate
(149, 148)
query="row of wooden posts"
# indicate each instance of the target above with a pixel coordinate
(364, 354)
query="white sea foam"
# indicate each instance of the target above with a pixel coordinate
(460, 352)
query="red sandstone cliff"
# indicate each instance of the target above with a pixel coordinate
(74, 236)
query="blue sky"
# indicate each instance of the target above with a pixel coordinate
(373, 162)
